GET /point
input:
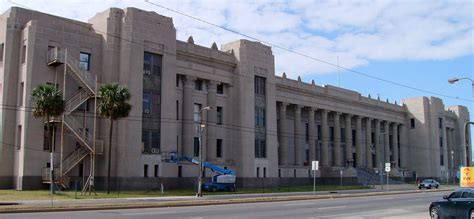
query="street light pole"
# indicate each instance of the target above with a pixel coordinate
(201, 162)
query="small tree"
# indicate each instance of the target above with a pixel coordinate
(113, 105)
(48, 102)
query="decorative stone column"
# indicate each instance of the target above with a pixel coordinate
(325, 138)
(211, 121)
(312, 136)
(378, 146)
(188, 117)
(359, 148)
(387, 142)
(368, 138)
(283, 135)
(403, 146)
(395, 144)
(337, 140)
(298, 137)
(348, 148)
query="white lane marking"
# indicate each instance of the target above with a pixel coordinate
(353, 214)
(148, 213)
(333, 207)
(297, 204)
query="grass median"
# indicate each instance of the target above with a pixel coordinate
(15, 195)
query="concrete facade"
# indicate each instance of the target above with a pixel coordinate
(265, 127)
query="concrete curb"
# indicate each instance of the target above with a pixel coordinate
(137, 205)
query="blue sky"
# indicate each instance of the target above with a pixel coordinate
(413, 42)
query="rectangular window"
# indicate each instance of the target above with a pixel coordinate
(354, 137)
(146, 102)
(145, 170)
(198, 84)
(23, 54)
(260, 85)
(264, 172)
(258, 172)
(1, 51)
(21, 93)
(156, 171)
(220, 88)
(85, 61)
(152, 64)
(146, 141)
(147, 64)
(197, 113)
(219, 148)
(306, 132)
(178, 78)
(196, 146)
(440, 142)
(155, 142)
(177, 110)
(412, 123)
(440, 122)
(343, 135)
(219, 115)
(331, 133)
(279, 173)
(441, 160)
(18, 138)
(180, 171)
(260, 147)
(319, 132)
(259, 116)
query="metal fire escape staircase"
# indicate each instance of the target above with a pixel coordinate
(88, 145)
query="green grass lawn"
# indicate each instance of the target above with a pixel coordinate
(14, 195)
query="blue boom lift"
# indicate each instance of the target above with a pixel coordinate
(224, 180)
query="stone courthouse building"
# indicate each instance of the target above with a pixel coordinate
(265, 127)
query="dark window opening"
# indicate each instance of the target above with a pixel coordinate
(331, 133)
(220, 88)
(23, 54)
(354, 137)
(156, 171)
(219, 115)
(343, 135)
(196, 147)
(264, 172)
(319, 132)
(260, 85)
(219, 148)
(177, 109)
(279, 173)
(81, 170)
(178, 78)
(258, 172)
(440, 122)
(260, 148)
(85, 61)
(306, 131)
(412, 123)
(198, 84)
(145, 170)
(180, 171)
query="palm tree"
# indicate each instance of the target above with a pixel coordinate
(48, 102)
(113, 105)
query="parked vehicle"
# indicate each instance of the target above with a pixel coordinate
(428, 184)
(459, 204)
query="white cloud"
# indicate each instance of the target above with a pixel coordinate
(357, 32)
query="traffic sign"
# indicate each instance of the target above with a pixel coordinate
(387, 165)
(467, 177)
(387, 168)
(315, 165)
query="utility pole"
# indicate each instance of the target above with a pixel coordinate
(201, 162)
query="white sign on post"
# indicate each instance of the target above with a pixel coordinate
(387, 164)
(387, 169)
(315, 165)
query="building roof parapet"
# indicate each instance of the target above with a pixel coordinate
(334, 91)
(205, 52)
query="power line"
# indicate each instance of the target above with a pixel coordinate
(305, 55)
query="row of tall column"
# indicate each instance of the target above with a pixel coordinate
(189, 125)
(381, 140)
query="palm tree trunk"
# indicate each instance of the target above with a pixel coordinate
(110, 155)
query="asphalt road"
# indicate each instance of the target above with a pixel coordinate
(389, 206)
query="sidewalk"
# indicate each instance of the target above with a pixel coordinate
(150, 202)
